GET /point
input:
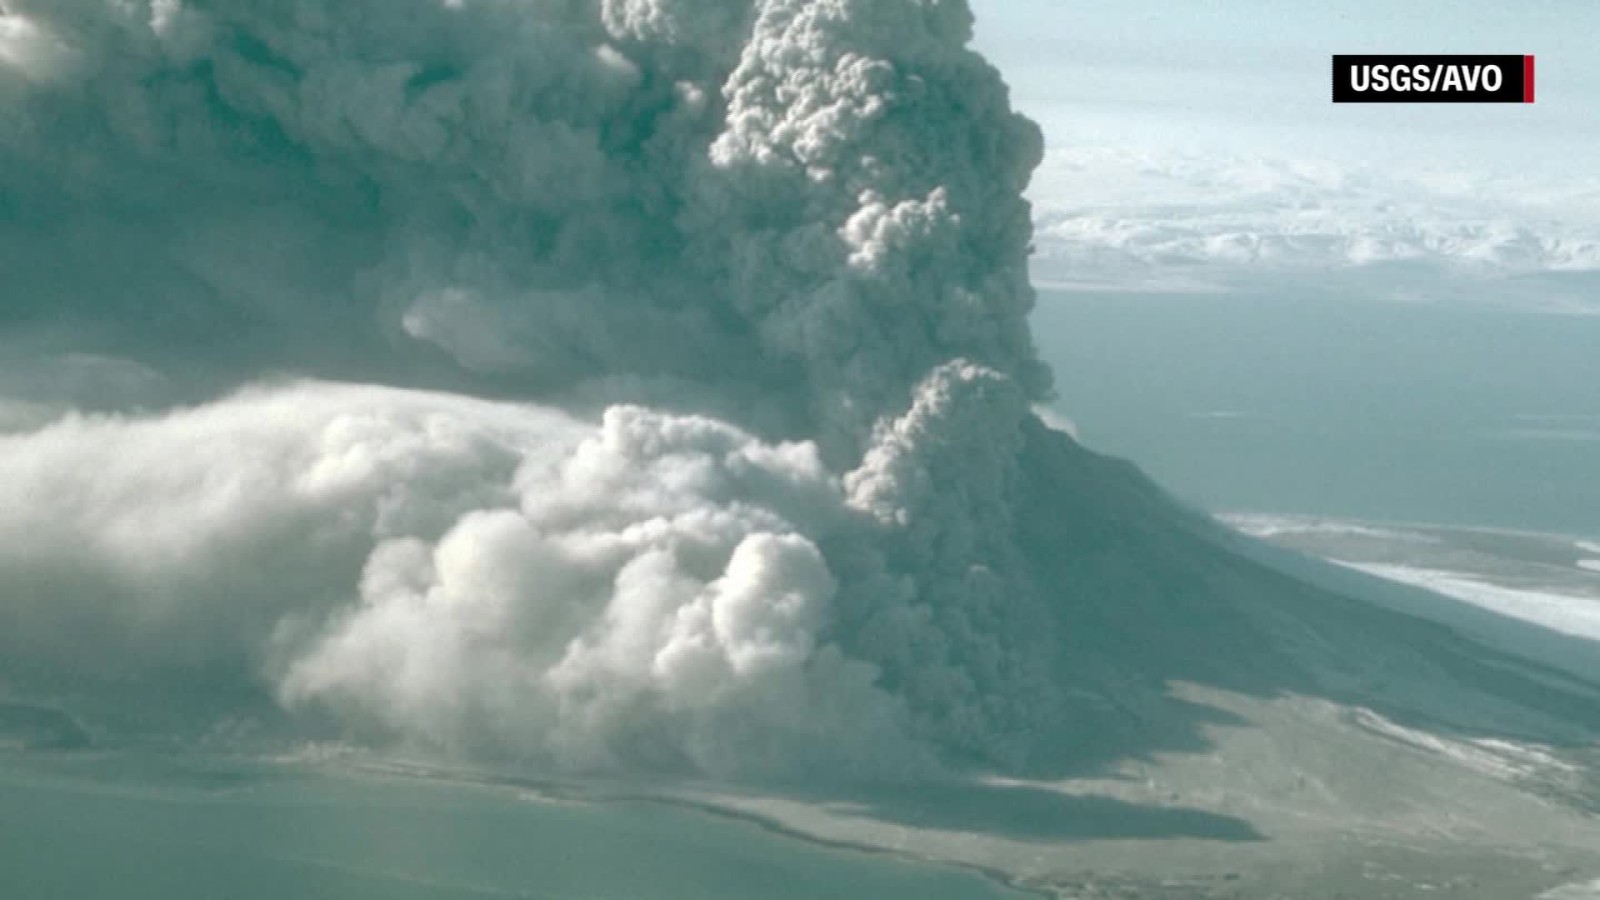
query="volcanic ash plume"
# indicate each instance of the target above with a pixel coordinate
(746, 279)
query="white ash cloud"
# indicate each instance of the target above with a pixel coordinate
(648, 590)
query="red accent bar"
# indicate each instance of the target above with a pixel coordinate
(1527, 79)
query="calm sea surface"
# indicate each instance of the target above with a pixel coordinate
(1339, 406)
(90, 826)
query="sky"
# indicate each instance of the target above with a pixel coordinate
(1208, 136)
(1250, 77)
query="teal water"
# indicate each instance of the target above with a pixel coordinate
(1331, 404)
(90, 826)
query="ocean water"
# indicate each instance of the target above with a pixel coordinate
(1450, 446)
(1320, 403)
(88, 826)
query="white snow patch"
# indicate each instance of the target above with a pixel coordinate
(1592, 565)
(1496, 758)
(1266, 526)
(1575, 616)
(1578, 891)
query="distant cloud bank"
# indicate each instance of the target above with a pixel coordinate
(1109, 217)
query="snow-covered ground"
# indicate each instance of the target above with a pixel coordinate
(1548, 580)
(1579, 616)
